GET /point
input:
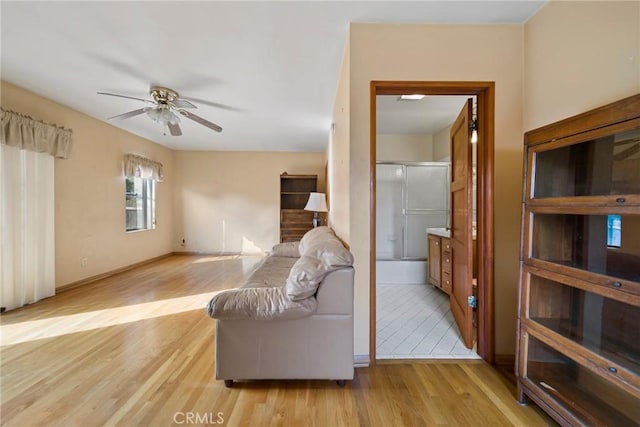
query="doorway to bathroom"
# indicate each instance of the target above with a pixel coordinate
(393, 249)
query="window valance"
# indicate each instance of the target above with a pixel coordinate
(30, 134)
(141, 167)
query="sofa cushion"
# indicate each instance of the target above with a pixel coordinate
(258, 304)
(304, 277)
(323, 244)
(330, 252)
(271, 272)
(313, 235)
(286, 249)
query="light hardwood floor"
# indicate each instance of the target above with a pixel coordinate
(137, 349)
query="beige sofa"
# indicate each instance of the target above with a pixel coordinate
(293, 318)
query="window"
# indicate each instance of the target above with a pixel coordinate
(614, 225)
(140, 206)
(140, 191)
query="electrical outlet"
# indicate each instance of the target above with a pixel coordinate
(184, 242)
(84, 262)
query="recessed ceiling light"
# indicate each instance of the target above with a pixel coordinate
(414, 97)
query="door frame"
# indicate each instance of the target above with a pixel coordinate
(485, 97)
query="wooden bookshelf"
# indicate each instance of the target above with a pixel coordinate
(294, 194)
(579, 310)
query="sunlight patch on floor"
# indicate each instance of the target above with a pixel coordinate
(56, 326)
(215, 258)
(248, 261)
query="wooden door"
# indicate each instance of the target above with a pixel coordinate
(461, 216)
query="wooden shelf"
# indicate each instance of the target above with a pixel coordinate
(618, 353)
(581, 401)
(576, 388)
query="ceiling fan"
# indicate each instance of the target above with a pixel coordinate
(167, 106)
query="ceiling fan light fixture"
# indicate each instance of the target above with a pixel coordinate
(164, 115)
(174, 119)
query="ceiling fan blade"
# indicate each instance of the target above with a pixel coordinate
(131, 113)
(213, 104)
(183, 103)
(125, 96)
(200, 120)
(174, 128)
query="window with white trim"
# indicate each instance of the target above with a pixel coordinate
(140, 205)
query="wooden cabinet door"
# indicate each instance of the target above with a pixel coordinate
(461, 213)
(433, 243)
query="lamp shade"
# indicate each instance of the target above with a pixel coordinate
(317, 203)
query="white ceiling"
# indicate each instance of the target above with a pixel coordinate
(427, 116)
(265, 71)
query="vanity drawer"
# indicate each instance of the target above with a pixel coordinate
(446, 282)
(446, 258)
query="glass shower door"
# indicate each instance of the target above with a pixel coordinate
(389, 219)
(426, 205)
(409, 199)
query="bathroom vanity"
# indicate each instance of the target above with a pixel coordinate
(439, 258)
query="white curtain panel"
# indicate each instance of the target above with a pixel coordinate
(27, 262)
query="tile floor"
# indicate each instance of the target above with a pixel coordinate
(414, 321)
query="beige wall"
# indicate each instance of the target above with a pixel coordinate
(409, 148)
(423, 53)
(442, 145)
(579, 56)
(338, 154)
(89, 192)
(229, 202)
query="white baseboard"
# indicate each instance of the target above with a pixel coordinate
(360, 360)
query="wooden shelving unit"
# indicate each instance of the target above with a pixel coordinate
(578, 354)
(294, 194)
